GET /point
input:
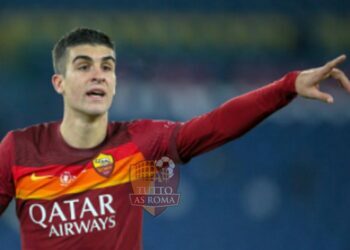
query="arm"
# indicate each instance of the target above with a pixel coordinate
(239, 115)
(4, 203)
(2, 209)
(6, 179)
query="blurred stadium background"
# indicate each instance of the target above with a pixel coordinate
(285, 185)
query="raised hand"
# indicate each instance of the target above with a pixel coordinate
(308, 81)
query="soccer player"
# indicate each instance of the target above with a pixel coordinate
(71, 178)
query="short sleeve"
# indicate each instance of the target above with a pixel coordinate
(156, 138)
(6, 178)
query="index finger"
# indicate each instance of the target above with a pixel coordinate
(332, 64)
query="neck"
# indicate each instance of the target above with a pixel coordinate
(84, 132)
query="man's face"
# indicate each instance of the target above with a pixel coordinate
(89, 82)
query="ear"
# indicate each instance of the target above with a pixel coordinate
(115, 87)
(57, 83)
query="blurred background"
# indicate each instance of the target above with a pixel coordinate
(285, 185)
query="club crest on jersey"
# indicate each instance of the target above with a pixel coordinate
(103, 165)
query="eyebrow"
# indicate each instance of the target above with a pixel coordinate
(88, 58)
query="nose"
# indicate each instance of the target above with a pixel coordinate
(98, 76)
(98, 80)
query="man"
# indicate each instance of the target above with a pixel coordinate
(71, 178)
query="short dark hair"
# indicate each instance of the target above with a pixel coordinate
(77, 37)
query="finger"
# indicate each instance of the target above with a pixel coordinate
(324, 97)
(326, 69)
(341, 77)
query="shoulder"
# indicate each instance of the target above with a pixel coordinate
(151, 125)
(143, 128)
(32, 133)
(140, 125)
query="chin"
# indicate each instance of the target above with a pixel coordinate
(96, 112)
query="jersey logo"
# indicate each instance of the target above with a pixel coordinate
(66, 178)
(104, 165)
(35, 177)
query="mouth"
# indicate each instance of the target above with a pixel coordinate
(96, 93)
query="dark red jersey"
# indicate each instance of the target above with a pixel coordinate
(68, 198)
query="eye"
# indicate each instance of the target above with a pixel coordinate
(107, 68)
(83, 67)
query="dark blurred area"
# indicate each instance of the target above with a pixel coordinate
(283, 186)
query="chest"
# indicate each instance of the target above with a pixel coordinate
(47, 179)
